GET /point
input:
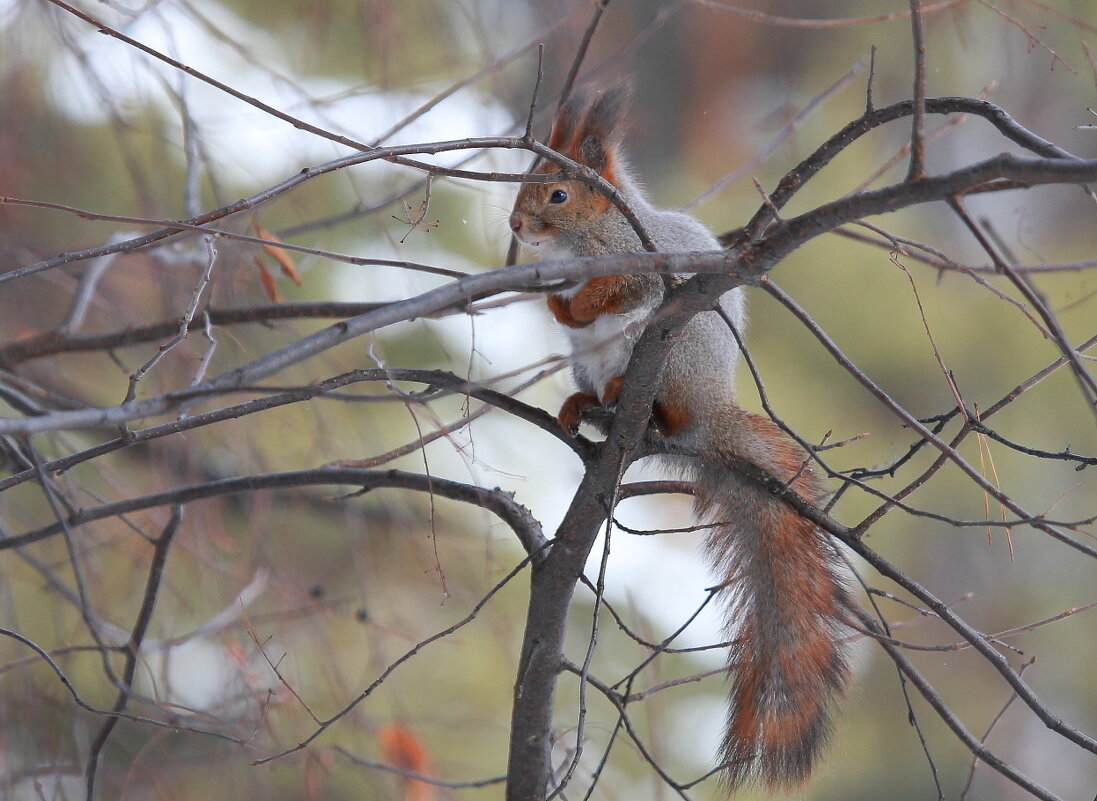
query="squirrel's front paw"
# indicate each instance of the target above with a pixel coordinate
(571, 413)
(612, 390)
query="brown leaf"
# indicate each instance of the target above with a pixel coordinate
(267, 280)
(289, 269)
(403, 749)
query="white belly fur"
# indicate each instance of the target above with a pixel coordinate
(601, 350)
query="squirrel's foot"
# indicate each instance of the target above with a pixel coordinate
(667, 417)
(670, 418)
(571, 413)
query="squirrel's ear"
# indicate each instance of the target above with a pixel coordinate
(602, 129)
(562, 137)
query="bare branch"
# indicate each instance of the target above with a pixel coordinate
(917, 169)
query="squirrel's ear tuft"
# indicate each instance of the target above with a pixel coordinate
(562, 137)
(602, 129)
(605, 117)
(590, 126)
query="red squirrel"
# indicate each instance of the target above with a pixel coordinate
(781, 579)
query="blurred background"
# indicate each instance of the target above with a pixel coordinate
(280, 608)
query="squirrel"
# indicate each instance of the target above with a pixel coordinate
(781, 579)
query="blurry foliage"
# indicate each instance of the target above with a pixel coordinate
(352, 583)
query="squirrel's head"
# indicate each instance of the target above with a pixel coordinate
(555, 217)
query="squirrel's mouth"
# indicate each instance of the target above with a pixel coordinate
(532, 242)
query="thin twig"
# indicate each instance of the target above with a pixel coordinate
(536, 88)
(183, 325)
(421, 777)
(415, 649)
(974, 745)
(1087, 383)
(133, 647)
(778, 139)
(917, 169)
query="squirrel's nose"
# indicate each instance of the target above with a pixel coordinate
(515, 223)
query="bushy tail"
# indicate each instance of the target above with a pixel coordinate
(785, 598)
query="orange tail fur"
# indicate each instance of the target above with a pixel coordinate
(786, 603)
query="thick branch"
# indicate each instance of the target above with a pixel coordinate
(553, 582)
(501, 504)
(872, 119)
(431, 378)
(736, 266)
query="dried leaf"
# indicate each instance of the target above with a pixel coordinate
(267, 280)
(289, 269)
(403, 749)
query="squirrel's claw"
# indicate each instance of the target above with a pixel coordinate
(571, 413)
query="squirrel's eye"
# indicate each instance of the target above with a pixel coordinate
(559, 196)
